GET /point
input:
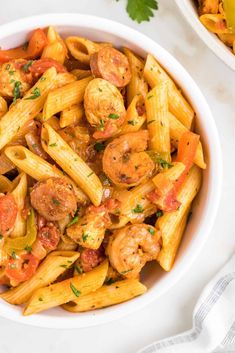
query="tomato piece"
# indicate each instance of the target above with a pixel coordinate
(41, 65)
(37, 42)
(49, 236)
(8, 213)
(21, 268)
(167, 201)
(187, 148)
(91, 258)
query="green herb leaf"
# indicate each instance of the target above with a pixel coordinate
(78, 269)
(131, 122)
(8, 67)
(12, 266)
(28, 248)
(35, 94)
(53, 145)
(64, 266)
(138, 209)
(150, 122)
(13, 255)
(84, 236)
(1, 236)
(90, 174)
(40, 299)
(26, 66)
(101, 125)
(141, 10)
(55, 201)
(75, 290)
(99, 146)
(110, 281)
(151, 231)
(164, 164)
(16, 91)
(159, 214)
(113, 116)
(74, 221)
(124, 272)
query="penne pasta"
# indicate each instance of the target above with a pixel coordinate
(5, 164)
(176, 131)
(80, 74)
(107, 295)
(137, 85)
(170, 221)
(215, 23)
(72, 164)
(19, 193)
(3, 106)
(178, 105)
(63, 79)
(37, 167)
(66, 291)
(156, 103)
(82, 48)
(64, 97)
(5, 184)
(26, 108)
(56, 48)
(50, 269)
(71, 116)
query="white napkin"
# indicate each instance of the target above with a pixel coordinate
(213, 320)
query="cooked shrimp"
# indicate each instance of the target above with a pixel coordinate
(131, 247)
(125, 161)
(104, 107)
(14, 81)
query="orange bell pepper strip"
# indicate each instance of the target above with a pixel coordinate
(36, 44)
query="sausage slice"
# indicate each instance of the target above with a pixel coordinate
(53, 199)
(111, 65)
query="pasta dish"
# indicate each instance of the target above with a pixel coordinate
(218, 16)
(99, 166)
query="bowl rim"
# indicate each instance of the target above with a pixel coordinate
(210, 39)
(215, 184)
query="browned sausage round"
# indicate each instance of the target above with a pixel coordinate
(111, 65)
(53, 199)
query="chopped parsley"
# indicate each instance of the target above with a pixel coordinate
(113, 116)
(53, 145)
(124, 272)
(34, 145)
(141, 10)
(55, 201)
(1, 236)
(150, 122)
(151, 231)
(159, 214)
(75, 290)
(138, 209)
(149, 97)
(84, 236)
(28, 248)
(74, 221)
(90, 174)
(8, 67)
(110, 281)
(43, 78)
(64, 266)
(40, 299)
(99, 146)
(26, 66)
(13, 255)
(12, 266)
(78, 269)
(16, 91)
(35, 94)
(164, 164)
(131, 122)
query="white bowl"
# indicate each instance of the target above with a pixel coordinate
(189, 10)
(206, 205)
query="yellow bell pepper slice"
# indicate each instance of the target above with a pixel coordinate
(229, 8)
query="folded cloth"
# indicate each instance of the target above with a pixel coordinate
(213, 320)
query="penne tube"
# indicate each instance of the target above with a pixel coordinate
(178, 105)
(177, 129)
(79, 73)
(71, 115)
(156, 103)
(5, 184)
(135, 116)
(171, 174)
(64, 97)
(215, 23)
(5, 164)
(38, 168)
(54, 122)
(72, 164)
(168, 253)
(137, 84)
(63, 79)
(82, 48)
(3, 106)
(19, 193)
(26, 108)
(66, 291)
(107, 295)
(49, 270)
(169, 222)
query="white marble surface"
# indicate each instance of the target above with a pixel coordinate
(172, 313)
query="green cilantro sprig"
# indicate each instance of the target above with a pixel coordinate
(141, 10)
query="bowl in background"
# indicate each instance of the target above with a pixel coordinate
(206, 204)
(189, 10)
